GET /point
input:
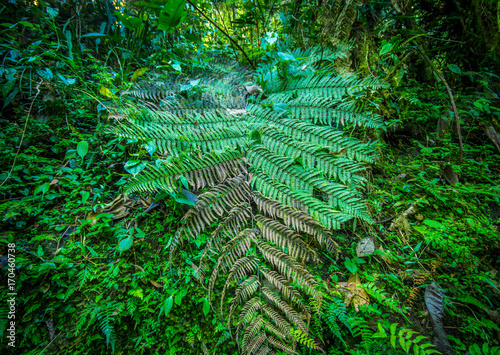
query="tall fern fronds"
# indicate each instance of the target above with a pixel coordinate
(103, 314)
(277, 174)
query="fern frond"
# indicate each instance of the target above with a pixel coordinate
(286, 239)
(382, 297)
(214, 203)
(335, 312)
(326, 215)
(243, 292)
(280, 345)
(286, 308)
(254, 343)
(106, 323)
(206, 170)
(241, 268)
(313, 156)
(302, 338)
(307, 181)
(304, 177)
(230, 255)
(325, 136)
(290, 268)
(297, 219)
(228, 228)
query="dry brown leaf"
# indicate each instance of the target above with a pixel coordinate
(450, 175)
(92, 216)
(156, 284)
(353, 294)
(120, 207)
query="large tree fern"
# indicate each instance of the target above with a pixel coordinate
(277, 173)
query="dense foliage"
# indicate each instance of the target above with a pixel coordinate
(374, 230)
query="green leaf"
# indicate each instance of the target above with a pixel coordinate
(69, 43)
(386, 48)
(184, 182)
(52, 12)
(182, 198)
(26, 23)
(82, 148)
(130, 22)
(9, 98)
(179, 296)
(92, 252)
(168, 305)
(85, 196)
(39, 251)
(172, 15)
(94, 34)
(286, 56)
(206, 307)
(381, 332)
(45, 74)
(177, 67)
(256, 136)
(455, 69)
(125, 244)
(352, 267)
(63, 79)
(151, 147)
(434, 224)
(282, 108)
(393, 334)
(42, 188)
(134, 167)
(138, 73)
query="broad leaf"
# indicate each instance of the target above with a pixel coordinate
(82, 148)
(138, 73)
(125, 244)
(455, 69)
(172, 15)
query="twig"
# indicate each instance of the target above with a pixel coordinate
(24, 132)
(39, 257)
(55, 337)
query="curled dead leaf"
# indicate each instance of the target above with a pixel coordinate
(353, 294)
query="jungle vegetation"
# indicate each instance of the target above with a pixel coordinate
(250, 177)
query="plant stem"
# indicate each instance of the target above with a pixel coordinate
(225, 33)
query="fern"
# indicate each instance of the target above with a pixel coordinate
(104, 315)
(383, 298)
(475, 349)
(406, 339)
(304, 339)
(336, 312)
(279, 173)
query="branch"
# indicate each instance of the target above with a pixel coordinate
(225, 33)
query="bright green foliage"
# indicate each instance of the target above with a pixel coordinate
(406, 339)
(336, 313)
